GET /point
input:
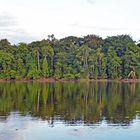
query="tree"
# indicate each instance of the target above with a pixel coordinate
(47, 55)
(45, 69)
(71, 57)
(131, 59)
(6, 60)
(113, 64)
(83, 55)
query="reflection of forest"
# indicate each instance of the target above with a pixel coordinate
(72, 102)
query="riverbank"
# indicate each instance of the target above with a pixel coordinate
(53, 80)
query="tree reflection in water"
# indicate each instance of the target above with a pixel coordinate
(73, 103)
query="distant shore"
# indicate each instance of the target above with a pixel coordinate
(53, 80)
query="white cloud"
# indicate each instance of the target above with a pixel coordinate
(38, 18)
(91, 1)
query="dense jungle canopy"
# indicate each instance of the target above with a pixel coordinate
(91, 56)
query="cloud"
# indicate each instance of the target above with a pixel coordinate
(112, 28)
(7, 20)
(91, 1)
(22, 37)
(103, 28)
(75, 23)
(10, 29)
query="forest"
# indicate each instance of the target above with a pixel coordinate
(90, 57)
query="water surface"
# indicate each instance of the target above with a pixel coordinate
(70, 111)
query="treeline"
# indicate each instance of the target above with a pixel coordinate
(91, 57)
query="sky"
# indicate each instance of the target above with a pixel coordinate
(30, 20)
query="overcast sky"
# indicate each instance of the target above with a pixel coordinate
(28, 20)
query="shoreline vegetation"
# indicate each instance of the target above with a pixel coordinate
(115, 58)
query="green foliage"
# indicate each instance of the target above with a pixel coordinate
(33, 73)
(113, 64)
(71, 57)
(13, 74)
(45, 69)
